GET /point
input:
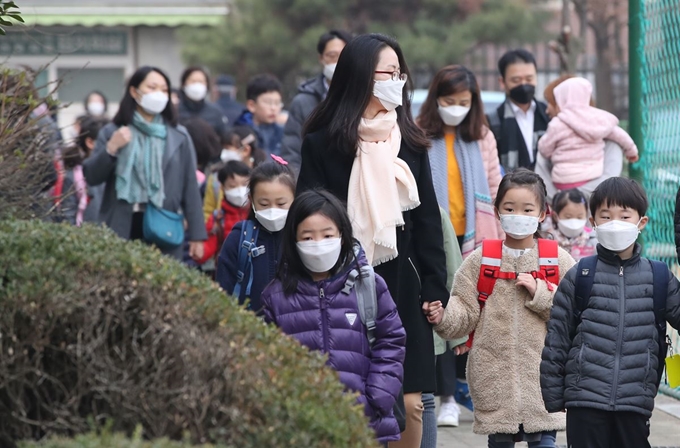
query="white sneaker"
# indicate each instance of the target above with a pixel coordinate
(448, 414)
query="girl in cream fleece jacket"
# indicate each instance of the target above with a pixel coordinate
(503, 368)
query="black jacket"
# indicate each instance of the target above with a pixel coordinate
(419, 272)
(676, 221)
(611, 363)
(310, 94)
(206, 110)
(512, 149)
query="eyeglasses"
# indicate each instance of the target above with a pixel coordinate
(271, 103)
(395, 75)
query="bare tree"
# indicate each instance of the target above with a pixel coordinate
(604, 18)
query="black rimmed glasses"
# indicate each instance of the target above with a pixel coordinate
(396, 75)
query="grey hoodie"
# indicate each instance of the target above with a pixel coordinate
(310, 94)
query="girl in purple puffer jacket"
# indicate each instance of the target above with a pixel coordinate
(306, 300)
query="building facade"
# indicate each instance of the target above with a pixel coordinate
(97, 44)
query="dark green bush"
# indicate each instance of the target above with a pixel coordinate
(108, 440)
(96, 329)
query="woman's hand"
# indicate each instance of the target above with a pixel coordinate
(196, 250)
(434, 312)
(528, 282)
(120, 138)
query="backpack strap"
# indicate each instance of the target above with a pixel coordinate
(583, 284)
(660, 278)
(489, 272)
(246, 252)
(367, 298)
(548, 262)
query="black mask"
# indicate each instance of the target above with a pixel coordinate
(523, 93)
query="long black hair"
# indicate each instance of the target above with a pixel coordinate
(128, 105)
(312, 202)
(351, 91)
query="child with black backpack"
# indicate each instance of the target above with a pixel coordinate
(249, 256)
(606, 344)
(327, 296)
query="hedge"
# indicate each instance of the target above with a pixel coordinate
(96, 329)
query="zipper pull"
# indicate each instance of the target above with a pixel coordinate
(322, 299)
(621, 272)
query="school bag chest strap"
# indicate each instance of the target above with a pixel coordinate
(490, 269)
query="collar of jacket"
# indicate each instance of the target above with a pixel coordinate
(314, 86)
(613, 258)
(193, 106)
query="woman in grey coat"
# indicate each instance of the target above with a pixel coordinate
(143, 157)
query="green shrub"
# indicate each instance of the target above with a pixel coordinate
(96, 329)
(108, 440)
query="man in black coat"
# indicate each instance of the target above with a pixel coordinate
(310, 94)
(521, 120)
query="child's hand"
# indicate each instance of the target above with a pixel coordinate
(461, 349)
(633, 159)
(434, 312)
(528, 282)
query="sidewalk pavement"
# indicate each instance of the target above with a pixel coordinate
(665, 429)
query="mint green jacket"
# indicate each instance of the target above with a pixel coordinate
(453, 261)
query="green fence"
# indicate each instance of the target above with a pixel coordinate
(655, 121)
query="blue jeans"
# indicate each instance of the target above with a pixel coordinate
(547, 441)
(429, 439)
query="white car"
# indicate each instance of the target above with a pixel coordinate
(490, 99)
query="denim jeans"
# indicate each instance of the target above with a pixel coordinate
(429, 439)
(547, 441)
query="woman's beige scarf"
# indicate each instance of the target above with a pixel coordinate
(381, 187)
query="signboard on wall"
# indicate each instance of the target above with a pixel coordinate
(52, 43)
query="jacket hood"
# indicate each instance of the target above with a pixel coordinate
(314, 86)
(590, 123)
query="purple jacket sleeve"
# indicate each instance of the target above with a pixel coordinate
(386, 373)
(267, 311)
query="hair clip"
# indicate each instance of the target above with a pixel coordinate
(279, 160)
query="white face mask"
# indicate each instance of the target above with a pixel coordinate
(519, 226)
(571, 228)
(196, 91)
(237, 197)
(329, 70)
(453, 115)
(272, 219)
(154, 102)
(617, 236)
(230, 154)
(319, 256)
(390, 93)
(96, 109)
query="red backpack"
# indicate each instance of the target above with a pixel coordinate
(490, 269)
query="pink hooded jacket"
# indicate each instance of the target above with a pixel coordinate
(574, 141)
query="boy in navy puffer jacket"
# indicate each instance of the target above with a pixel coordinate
(602, 365)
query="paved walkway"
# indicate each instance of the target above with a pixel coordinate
(665, 429)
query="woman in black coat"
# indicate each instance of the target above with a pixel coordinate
(194, 103)
(367, 99)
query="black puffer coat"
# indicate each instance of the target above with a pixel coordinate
(611, 363)
(676, 221)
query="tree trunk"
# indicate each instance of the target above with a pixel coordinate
(603, 70)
